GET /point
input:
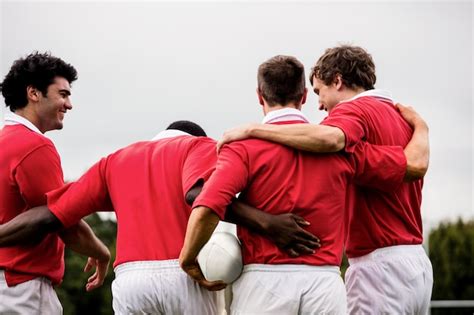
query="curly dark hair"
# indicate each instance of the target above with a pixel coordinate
(188, 127)
(37, 70)
(354, 64)
(281, 80)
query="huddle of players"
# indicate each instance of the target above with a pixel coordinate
(297, 209)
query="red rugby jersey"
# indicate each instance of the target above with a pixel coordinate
(30, 168)
(145, 184)
(381, 218)
(278, 179)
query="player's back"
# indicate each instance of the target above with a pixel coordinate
(147, 184)
(278, 179)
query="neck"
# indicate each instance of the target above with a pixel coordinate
(28, 113)
(267, 108)
(349, 93)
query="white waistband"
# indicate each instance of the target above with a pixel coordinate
(41, 279)
(148, 265)
(390, 251)
(289, 268)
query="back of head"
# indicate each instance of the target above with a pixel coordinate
(38, 70)
(188, 127)
(281, 80)
(352, 63)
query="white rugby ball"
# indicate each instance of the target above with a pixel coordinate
(221, 258)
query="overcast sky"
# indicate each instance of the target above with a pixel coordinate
(143, 65)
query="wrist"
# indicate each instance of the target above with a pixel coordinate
(185, 261)
(266, 223)
(104, 253)
(251, 130)
(420, 124)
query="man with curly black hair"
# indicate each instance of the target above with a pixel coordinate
(37, 90)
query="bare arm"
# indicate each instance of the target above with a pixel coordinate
(201, 224)
(81, 239)
(306, 137)
(417, 150)
(29, 227)
(285, 230)
(33, 225)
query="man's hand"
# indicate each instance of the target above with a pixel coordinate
(193, 270)
(410, 115)
(287, 232)
(101, 268)
(202, 222)
(235, 134)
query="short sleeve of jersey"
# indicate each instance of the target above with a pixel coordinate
(199, 164)
(349, 118)
(379, 167)
(39, 172)
(228, 179)
(78, 199)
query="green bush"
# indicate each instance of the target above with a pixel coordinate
(451, 251)
(72, 292)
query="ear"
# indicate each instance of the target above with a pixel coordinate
(338, 82)
(260, 97)
(305, 94)
(32, 93)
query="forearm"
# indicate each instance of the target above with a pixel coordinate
(201, 225)
(417, 152)
(306, 137)
(81, 239)
(285, 230)
(29, 227)
(242, 214)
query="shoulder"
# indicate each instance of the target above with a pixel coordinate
(205, 141)
(24, 141)
(257, 147)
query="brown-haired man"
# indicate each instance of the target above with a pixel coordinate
(279, 179)
(389, 272)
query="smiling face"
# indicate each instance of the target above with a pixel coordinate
(51, 107)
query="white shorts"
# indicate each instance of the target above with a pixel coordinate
(161, 287)
(288, 290)
(390, 280)
(35, 297)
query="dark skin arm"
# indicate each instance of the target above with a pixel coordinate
(29, 227)
(33, 225)
(285, 230)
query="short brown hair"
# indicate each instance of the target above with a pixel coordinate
(281, 80)
(354, 64)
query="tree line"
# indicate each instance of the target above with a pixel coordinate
(451, 250)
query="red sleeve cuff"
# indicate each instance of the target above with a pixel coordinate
(220, 211)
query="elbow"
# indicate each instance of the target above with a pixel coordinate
(336, 142)
(416, 171)
(340, 143)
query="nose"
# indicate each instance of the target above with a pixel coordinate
(68, 104)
